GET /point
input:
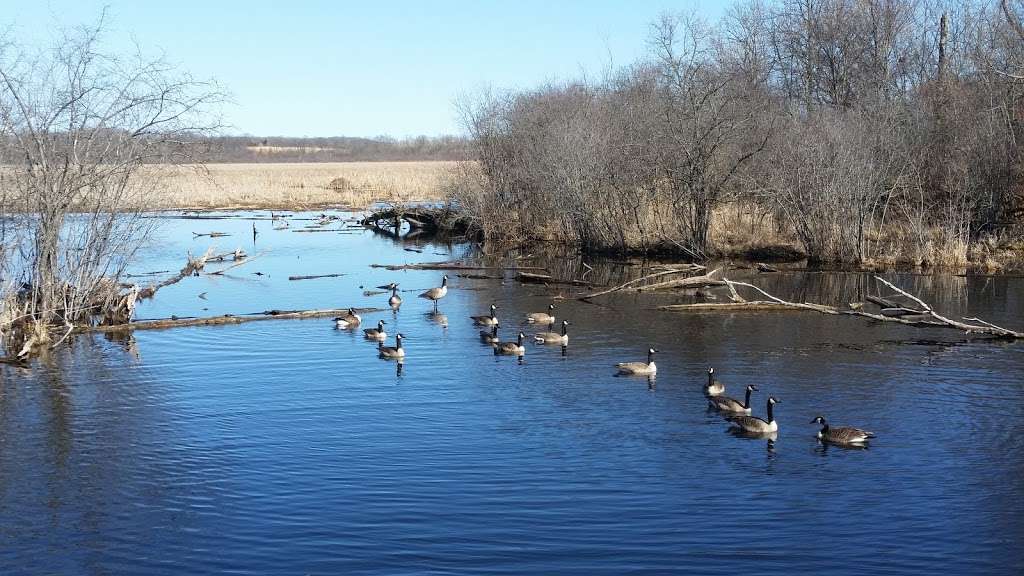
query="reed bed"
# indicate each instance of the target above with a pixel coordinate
(294, 186)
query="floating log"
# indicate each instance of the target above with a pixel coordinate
(762, 267)
(900, 311)
(315, 276)
(450, 266)
(753, 306)
(632, 283)
(161, 324)
(529, 278)
(882, 302)
(241, 262)
(210, 234)
(480, 277)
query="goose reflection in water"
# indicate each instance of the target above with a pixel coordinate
(437, 317)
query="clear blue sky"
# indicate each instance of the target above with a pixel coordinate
(321, 68)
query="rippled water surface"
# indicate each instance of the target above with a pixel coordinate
(289, 447)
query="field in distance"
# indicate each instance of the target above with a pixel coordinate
(295, 186)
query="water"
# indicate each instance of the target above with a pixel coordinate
(288, 447)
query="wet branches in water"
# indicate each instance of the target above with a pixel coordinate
(928, 317)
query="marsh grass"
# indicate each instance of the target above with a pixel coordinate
(295, 186)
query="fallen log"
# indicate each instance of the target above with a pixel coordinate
(632, 283)
(752, 306)
(241, 262)
(900, 311)
(450, 266)
(164, 323)
(192, 267)
(529, 278)
(928, 318)
(210, 234)
(315, 276)
(881, 302)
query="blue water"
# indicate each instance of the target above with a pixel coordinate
(289, 447)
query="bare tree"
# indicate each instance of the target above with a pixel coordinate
(88, 133)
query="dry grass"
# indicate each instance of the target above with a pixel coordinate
(293, 186)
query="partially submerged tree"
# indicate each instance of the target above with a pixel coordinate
(84, 137)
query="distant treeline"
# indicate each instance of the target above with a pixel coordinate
(885, 130)
(333, 149)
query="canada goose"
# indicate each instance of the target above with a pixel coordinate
(511, 347)
(349, 320)
(713, 387)
(841, 434)
(490, 336)
(757, 425)
(396, 352)
(639, 368)
(377, 333)
(726, 404)
(553, 337)
(436, 294)
(395, 301)
(489, 320)
(542, 317)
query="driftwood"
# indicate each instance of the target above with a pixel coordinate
(192, 267)
(480, 277)
(164, 323)
(881, 302)
(762, 267)
(928, 318)
(141, 274)
(210, 234)
(241, 262)
(633, 283)
(529, 278)
(315, 276)
(450, 266)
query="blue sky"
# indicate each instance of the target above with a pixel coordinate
(320, 68)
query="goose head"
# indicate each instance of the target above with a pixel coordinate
(818, 420)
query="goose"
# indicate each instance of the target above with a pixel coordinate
(396, 352)
(377, 333)
(490, 336)
(713, 387)
(436, 294)
(511, 347)
(489, 320)
(639, 368)
(553, 337)
(726, 404)
(841, 434)
(395, 301)
(757, 425)
(542, 317)
(349, 320)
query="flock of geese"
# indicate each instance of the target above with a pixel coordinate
(738, 413)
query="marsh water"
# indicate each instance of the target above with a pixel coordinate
(289, 447)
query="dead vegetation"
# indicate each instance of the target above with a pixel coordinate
(861, 133)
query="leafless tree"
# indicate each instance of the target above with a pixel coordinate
(87, 133)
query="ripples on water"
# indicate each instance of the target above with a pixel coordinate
(288, 447)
